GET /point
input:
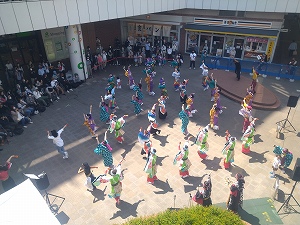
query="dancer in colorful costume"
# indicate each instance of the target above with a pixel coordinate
(228, 152)
(190, 103)
(104, 115)
(286, 157)
(137, 106)
(116, 126)
(201, 141)
(254, 79)
(144, 139)
(176, 75)
(152, 114)
(247, 101)
(128, 74)
(149, 82)
(218, 101)
(90, 123)
(151, 167)
(212, 83)
(235, 198)
(152, 128)
(203, 197)
(214, 117)
(248, 136)
(162, 113)
(183, 115)
(104, 150)
(246, 113)
(162, 87)
(138, 92)
(204, 76)
(110, 83)
(182, 158)
(115, 177)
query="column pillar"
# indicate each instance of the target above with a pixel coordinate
(76, 50)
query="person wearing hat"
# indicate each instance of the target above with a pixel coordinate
(183, 115)
(104, 115)
(58, 141)
(151, 167)
(116, 126)
(182, 158)
(228, 152)
(248, 137)
(138, 92)
(190, 103)
(203, 197)
(144, 139)
(137, 106)
(162, 112)
(214, 117)
(103, 149)
(240, 183)
(152, 114)
(150, 84)
(246, 113)
(286, 157)
(201, 141)
(90, 123)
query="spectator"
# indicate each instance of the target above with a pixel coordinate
(237, 69)
(61, 67)
(41, 70)
(292, 48)
(19, 72)
(25, 109)
(55, 85)
(42, 100)
(32, 72)
(192, 59)
(19, 118)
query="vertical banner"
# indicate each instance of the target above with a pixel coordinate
(131, 27)
(148, 29)
(166, 31)
(156, 30)
(139, 28)
(270, 48)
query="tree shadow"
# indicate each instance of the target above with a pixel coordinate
(160, 159)
(126, 209)
(257, 157)
(164, 186)
(212, 164)
(128, 149)
(162, 139)
(236, 169)
(194, 182)
(98, 194)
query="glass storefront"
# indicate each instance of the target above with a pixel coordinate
(227, 45)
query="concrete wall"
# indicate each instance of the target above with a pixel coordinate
(31, 15)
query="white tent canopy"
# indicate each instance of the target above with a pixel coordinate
(24, 204)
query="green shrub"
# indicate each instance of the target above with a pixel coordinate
(196, 215)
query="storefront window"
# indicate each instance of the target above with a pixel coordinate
(255, 46)
(192, 42)
(217, 46)
(205, 41)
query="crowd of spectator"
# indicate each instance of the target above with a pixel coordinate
(30, 94)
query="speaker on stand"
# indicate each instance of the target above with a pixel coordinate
(282, 124)
(42, 183)
(296, 177)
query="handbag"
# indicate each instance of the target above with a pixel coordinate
(295, 52)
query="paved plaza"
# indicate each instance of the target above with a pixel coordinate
(37, 153)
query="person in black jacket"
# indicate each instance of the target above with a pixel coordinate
(237, 69)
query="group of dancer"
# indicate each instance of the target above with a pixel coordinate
(114, 175)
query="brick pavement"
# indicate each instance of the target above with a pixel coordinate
(38, 154)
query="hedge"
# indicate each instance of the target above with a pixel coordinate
(197, 215)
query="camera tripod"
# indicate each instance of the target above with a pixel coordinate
(286, 205)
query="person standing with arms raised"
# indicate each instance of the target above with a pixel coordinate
(59, 143)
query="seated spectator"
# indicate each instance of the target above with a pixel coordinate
(31, 102)
(65, 83)
(56, 87)
(25, 109)
(5, 111)
(3, 97)
(42, 100)
(51, 93)
(11, 101)
(19, 118)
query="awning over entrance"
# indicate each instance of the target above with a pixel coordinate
(232, 30)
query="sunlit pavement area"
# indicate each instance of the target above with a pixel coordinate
(37, 153)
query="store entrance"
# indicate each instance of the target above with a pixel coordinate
(238, 45)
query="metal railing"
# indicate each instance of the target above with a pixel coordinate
(263, 68)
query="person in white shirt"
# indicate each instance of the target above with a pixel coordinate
(42, 100)
(293, 48)
(275, 165)
(58, 141)
(192, 59)
(55, 85)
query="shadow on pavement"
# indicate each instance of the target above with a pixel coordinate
(128, 149)
(164, 186)
(248, 217)
(160, 159)
(162, 139)
(194, 181)
(98, 194)
(212, 164)
(126, 209)
(236, 169)
(257, 157)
